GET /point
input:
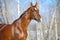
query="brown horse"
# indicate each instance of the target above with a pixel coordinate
(18, 29)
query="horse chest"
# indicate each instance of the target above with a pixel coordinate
(19, 34)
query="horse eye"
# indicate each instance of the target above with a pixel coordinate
(32, 10)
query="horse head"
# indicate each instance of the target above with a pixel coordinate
(35, 12)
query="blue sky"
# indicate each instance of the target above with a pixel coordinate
(0, 0)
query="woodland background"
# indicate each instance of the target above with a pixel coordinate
(48, 29)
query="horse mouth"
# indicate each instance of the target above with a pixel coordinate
(38, 20)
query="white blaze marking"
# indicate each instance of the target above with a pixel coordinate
(35, 8)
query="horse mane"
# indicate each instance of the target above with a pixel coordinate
(21, 15)
(24, 12)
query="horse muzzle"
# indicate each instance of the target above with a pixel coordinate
(39, 20)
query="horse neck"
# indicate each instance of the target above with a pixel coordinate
(24, 20)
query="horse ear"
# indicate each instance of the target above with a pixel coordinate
(31, 4)
(36, 4)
